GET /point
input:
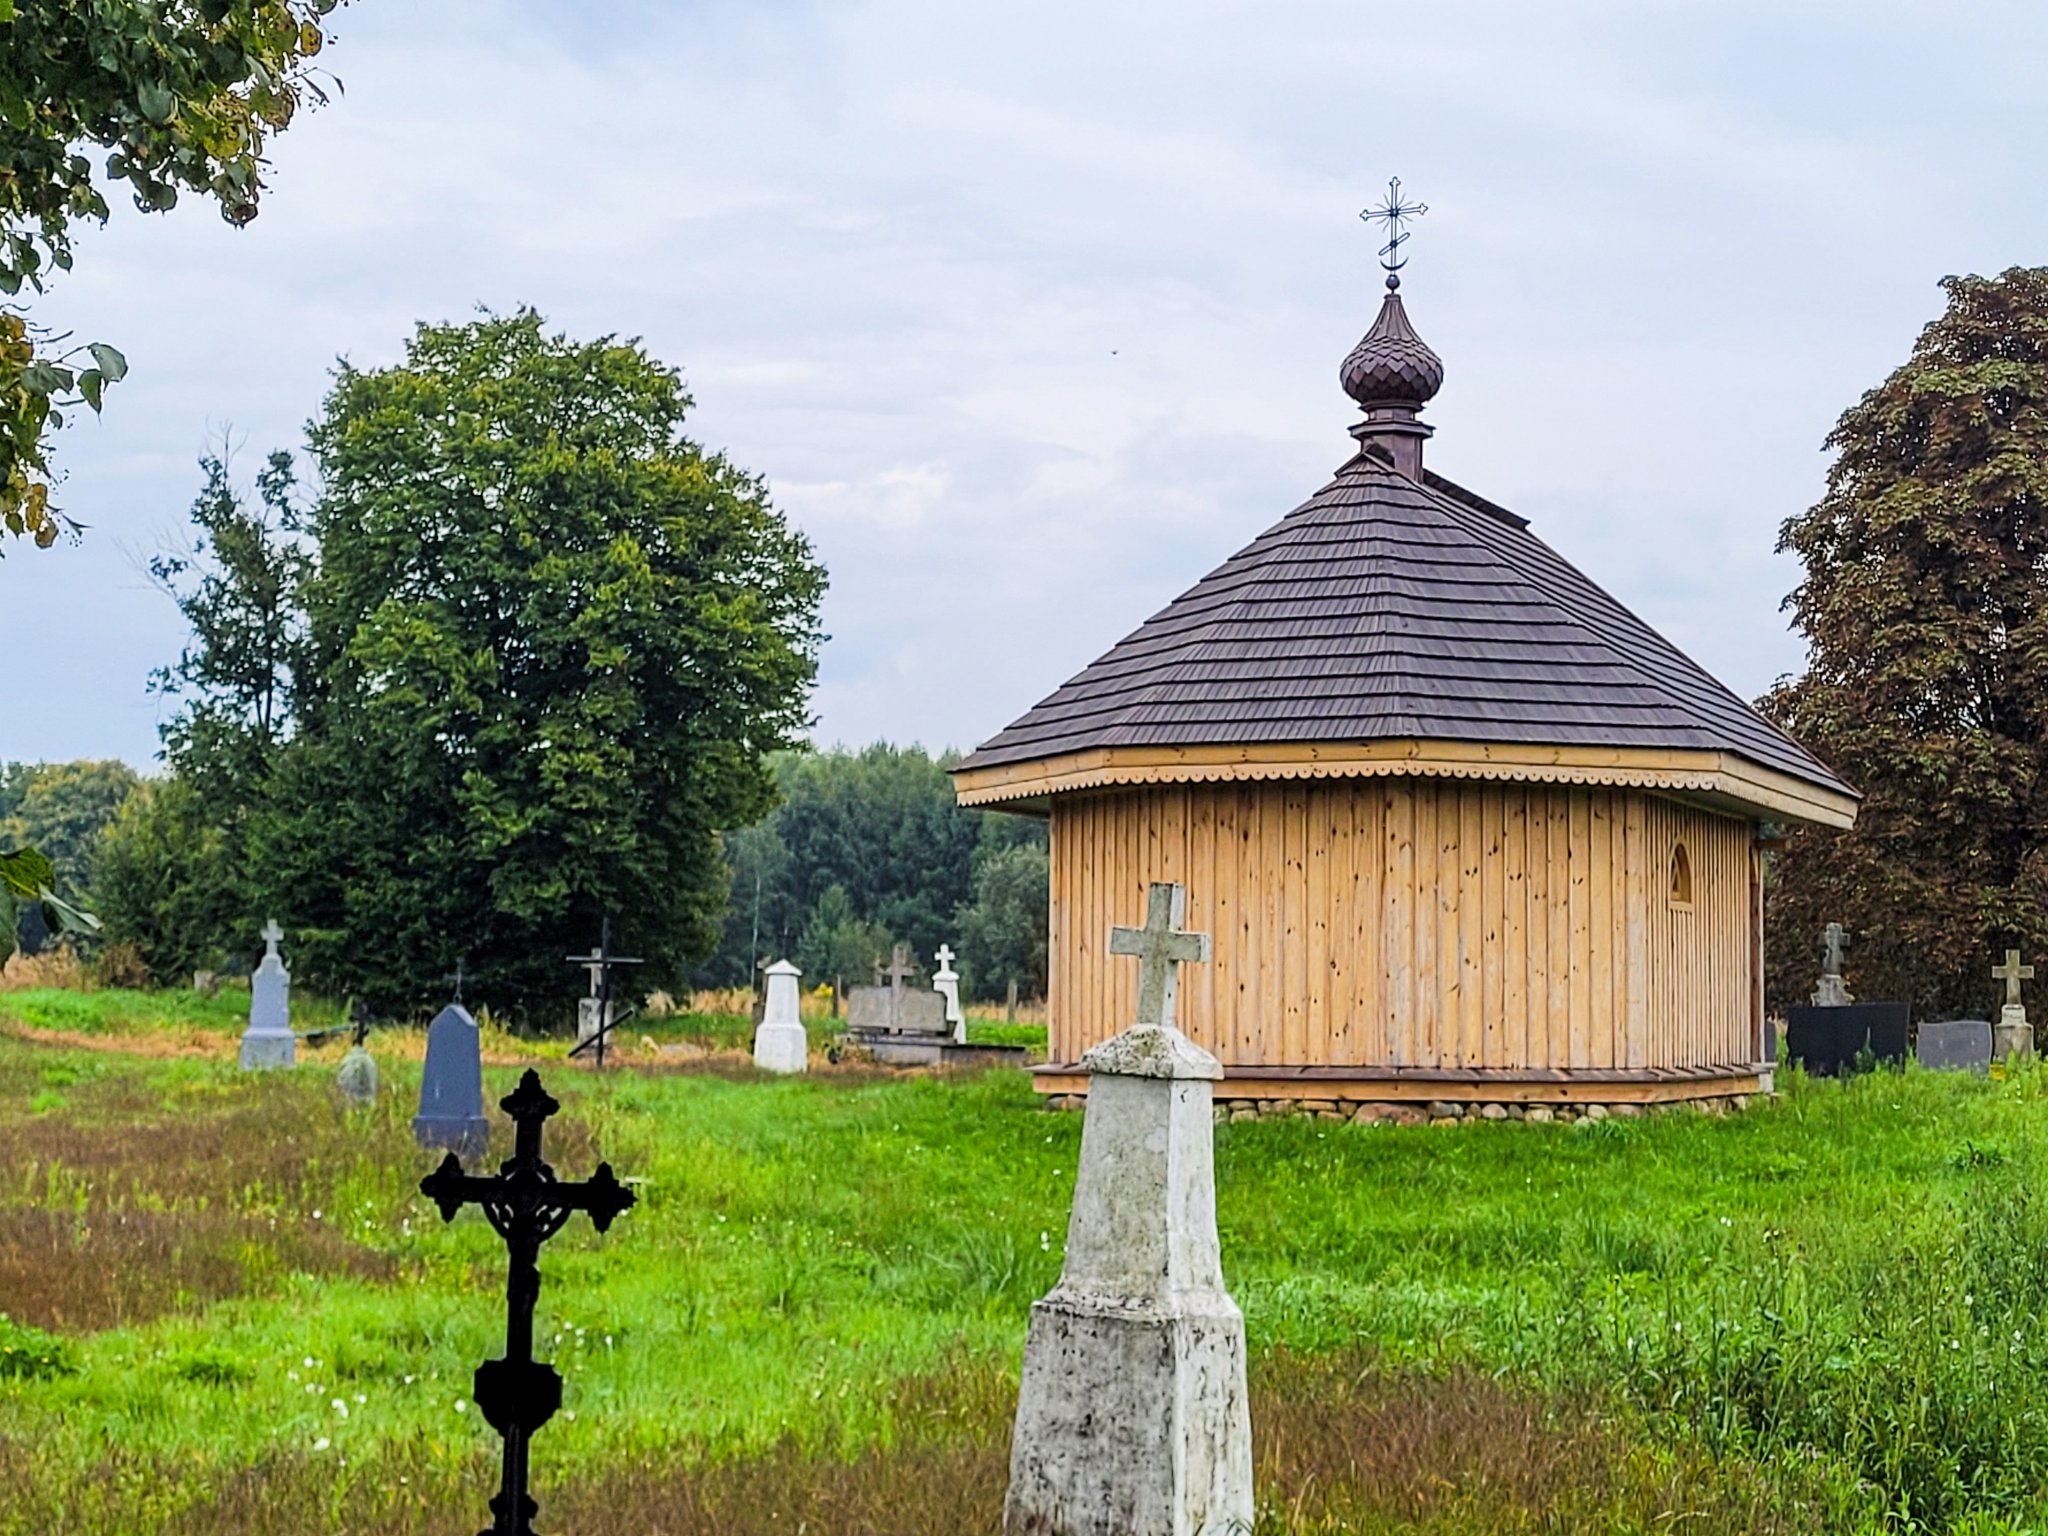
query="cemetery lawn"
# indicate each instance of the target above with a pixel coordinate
(229, 1311)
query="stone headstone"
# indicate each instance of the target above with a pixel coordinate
(780, 1044)
(1955, 1045)
(587, 1017)
(206, 983)
(882, 1010)
(2014, 1035)
(1132, 1414)
(357, 1076)
(452, 1086)
(268, 1041)
(1827, 1039)
(946, 982)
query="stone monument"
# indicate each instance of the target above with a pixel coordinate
(780, 1044)
(268, 1041)
(1829, 991)
(946, 982)
(452, 1086)
(2014, 1036)
(1132, 1416)
(1954, 1045)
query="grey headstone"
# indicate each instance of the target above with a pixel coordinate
(1955, 1045)
(452, 1086)
(889, 1010)
(357, 1076)
(268, 1041)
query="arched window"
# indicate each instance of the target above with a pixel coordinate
(1681, 878)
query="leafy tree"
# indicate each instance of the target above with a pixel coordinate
(165, 879)
(182, 95)
(881, 827)
(64, 809)
(1003, 932)
(533, 662)
(836, 945)
(239, 585)
(1925, 606)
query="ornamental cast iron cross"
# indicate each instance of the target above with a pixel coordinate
(2012, 973)
(527, 1205)
(1393, 213)
(1160, 946)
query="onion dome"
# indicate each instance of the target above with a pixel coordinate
(1392, 365)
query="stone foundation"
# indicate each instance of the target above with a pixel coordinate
(1235, 1111)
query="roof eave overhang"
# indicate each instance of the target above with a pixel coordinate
(1720, 780)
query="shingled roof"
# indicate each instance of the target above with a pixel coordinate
(1386, 608)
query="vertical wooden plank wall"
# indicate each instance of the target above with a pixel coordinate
(1414, 922)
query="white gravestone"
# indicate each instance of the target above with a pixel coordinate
(946, 982)
(780, 1044)
(2014, 1036)
(1132, 1414)
(268, 1042)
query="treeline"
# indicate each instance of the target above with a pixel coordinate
(867, 850)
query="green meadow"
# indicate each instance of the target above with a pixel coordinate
(228, 1310)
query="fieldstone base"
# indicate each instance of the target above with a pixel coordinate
(1444, 1111)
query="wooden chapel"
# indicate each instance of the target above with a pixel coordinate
(1462, 827)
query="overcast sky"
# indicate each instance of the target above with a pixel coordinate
(1031, 314)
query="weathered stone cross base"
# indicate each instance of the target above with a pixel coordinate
(1132, 1416)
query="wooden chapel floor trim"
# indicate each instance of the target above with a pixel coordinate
(1473, 1085)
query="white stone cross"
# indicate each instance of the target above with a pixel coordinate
(270, 936)
(944, 955)
(1161, 947)
(2012, 973)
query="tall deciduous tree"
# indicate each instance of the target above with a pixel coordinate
(547, 645)
(1925, 605)
(180, 96)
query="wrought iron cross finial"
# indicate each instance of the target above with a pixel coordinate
(1393, 213)
(527, 1205)
(1161, 947)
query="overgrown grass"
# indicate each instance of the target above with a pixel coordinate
(1825, 1314)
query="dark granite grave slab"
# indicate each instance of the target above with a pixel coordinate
(1828, 1039)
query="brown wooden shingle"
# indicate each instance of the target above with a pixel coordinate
(1380, 609)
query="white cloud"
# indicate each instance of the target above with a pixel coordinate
(1030, 315)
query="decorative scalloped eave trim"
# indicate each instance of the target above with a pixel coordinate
(1210, 773)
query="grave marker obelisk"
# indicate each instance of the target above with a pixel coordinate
(1132, 1416)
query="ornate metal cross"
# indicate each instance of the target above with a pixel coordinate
(1161, 947)
(527, 1205)
(2012, 973)
(1836, 936)
(1393, 213)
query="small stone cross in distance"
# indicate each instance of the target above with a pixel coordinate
(1836, 937)
(944, 956)
(1161, 947)
(2012, 973)
(270, 936)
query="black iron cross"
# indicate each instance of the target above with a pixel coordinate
(600, 962)
(528, 1205)
(1393, 213)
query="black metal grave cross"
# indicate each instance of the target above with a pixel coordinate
(527, 1205)
(600, 963)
